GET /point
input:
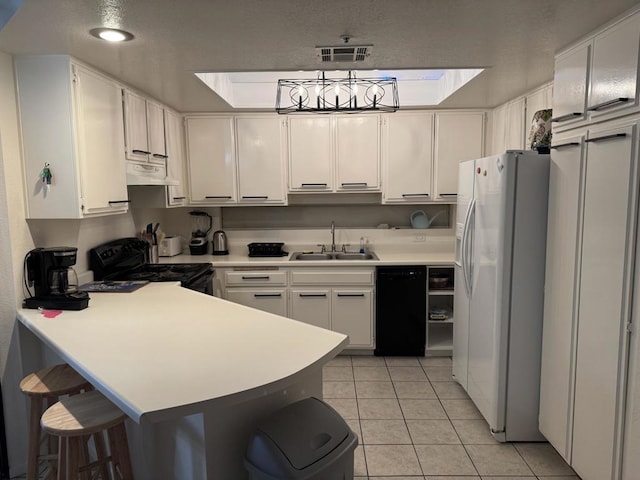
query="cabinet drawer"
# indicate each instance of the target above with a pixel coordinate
(266, 277)
(272, 300)
(314, 277)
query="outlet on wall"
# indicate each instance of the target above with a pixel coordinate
(419, 238)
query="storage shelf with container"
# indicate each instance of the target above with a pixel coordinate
(440, 311)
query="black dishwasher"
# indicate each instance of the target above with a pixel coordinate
(401, 310)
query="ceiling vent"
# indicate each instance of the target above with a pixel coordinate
(344, 53)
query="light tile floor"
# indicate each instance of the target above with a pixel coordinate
(414, 422)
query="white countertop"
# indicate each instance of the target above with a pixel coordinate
(165, 350)
(385, 258)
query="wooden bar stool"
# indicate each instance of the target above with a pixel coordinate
(47, 384)
(74, 419)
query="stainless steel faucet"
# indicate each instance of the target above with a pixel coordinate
(333, 236)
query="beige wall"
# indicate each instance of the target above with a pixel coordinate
(15, 241)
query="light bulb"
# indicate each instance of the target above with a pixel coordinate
(355, 89)
(375, 89)
(336, 89)
(317, 90)
(300, 90)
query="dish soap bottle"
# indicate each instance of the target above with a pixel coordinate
(361, 244)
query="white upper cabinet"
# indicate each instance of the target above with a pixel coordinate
(407, 153)
(144, 129)
(156, 128)
(459, 137)
(310, 153)
(136, 131)
(212, 160)
(357, 153)
(261, 160)
(174, 126)
(570, 82)
(517, 128)
(614, 69)
(72, 120)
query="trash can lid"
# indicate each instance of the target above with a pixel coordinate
(305, 431)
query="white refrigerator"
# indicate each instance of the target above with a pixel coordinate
(501, 221)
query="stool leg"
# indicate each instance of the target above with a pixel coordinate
(34, 437)
(52, 447)
(101, 452)
(62, 458)
(120, 451)
(75, 454)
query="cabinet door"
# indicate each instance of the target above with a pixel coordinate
(614, 73)
(407, 158)
(570, 86)
(100, 143)
(459, 137)
(560, 293)
(604, 305)
(311, 306)
(516, 126)
(261, 160)
(174, 126)
(268, 299)
(352, 314)
(136, 139)
(212, 161)
(358, 153)
(155, 123)
(310, 154)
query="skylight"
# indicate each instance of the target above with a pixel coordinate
(416, 88)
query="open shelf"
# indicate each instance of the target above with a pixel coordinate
(440, 297)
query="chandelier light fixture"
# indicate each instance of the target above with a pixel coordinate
(337, 95)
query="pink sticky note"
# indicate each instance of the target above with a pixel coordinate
(51, 313)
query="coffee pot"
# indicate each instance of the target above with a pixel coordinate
(55, 282)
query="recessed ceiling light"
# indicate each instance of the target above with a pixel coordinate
(111, 34)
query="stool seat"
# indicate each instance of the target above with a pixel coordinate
(43, 388)
(53, 382)
(83, 414)
(74, 419)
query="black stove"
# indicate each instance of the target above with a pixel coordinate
(128, 259)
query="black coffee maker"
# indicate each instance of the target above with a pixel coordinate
(48, 270)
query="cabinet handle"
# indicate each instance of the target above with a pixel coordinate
(263, 277)
(606, 137)
(118, 201)
(448, 194)
(223, 197)
(157, 155)
(568, 116)
(608, 104)
(255, 197)
(259, 295)
(312, 295)
(351, 294)
(355, 184)
(179, 198)
(313, 185)
(143, 152)
(415, 194)
(564, 145)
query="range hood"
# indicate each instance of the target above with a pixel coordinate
(148, 174)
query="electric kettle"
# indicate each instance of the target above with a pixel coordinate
(219, 243)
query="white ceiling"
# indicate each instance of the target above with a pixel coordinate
(515, 40)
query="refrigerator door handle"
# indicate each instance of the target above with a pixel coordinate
(464, 248)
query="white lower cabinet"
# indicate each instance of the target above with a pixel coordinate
(340, 299)
(272, 300)
(312, 306)
(352, 313)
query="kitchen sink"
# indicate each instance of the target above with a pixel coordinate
(311, 256)
(333, 256)
(356, 256)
